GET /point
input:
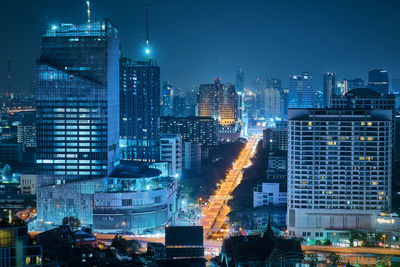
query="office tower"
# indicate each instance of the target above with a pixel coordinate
(329, 80)
(197, 130)
(140, 110)
(341, 87)
(167, 99)
(272, 103)
(378, 80)
(191, 156)
(179, 106)
(363, 98)
(191, 97)
(239, 80)
(77, 104)
(339, 171)
(300, 91)
(355, 83)
(171, 151)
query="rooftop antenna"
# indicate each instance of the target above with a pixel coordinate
(147, 33)
(88, 10)
(9, 67)
(147, 25)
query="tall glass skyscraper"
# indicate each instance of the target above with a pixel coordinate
(329, 80)
(300, 91)
(140, 110)
(77, 115)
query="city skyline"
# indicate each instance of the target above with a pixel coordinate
(345, 50)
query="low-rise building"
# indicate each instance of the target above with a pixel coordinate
(268, 194)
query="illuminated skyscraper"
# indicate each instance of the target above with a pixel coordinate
(378, 80)
(300, 91)
(140, 110)
(77, 103)
(218, 101)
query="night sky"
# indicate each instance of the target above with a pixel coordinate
(195, 41)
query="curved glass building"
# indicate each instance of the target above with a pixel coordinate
(134, 198)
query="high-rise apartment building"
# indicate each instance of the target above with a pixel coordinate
(329, 80)
(77, 104)
(171, 151)
(300, 91)
(140, 110)
(378, 80)
(339, 170)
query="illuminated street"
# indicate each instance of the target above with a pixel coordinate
(214, 213)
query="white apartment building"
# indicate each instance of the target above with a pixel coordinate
(171, 151)
(268, 194)
(339, 170)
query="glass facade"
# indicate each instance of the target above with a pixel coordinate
(77, 114)
(301, 93)
(140, 111)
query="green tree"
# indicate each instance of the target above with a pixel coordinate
(383, 261)
(333, 258)
(312, 259)
(73, 222)
(123, 245)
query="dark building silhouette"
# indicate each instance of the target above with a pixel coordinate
(378, 80)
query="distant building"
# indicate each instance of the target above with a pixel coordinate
(192, 156)
(197, 130)
(363, 98)
(167, 99)
(171, 151)
(300, 91)
(341, 87)
(355, 83)
(219, 101)
(26, 135)
(239, 80)
(11, 153)
(339, 170)
(329, 87)
(272, 103)
(378, 80)
(179, 106)
(15, 249)
(276, 138)
(277, 169)
(268, 194)
(139, 110)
